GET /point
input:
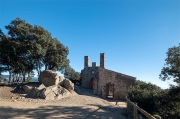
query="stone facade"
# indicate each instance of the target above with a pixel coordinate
(104, 82)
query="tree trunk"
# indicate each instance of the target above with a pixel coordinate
(37, 68)
(16, 77)
(13, 77)
(24, 77)
(10, 76)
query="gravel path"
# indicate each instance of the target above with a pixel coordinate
(83, 105)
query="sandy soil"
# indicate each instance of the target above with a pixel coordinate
(83, 105)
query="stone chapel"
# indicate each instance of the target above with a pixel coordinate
(105, 83)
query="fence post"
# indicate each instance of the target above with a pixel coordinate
(135, 111)
(127, 111)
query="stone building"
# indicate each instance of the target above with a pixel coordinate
(105, 83)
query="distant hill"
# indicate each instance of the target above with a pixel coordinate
(5, 76)
(35, 79)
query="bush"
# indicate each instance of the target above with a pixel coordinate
(152, 99)
(146, 96)
(170, 103)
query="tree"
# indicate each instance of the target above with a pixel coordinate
(171, 69)
(7, 54)
(156, 101)
(33, 41)
(39, 45)
(71, 74)
(27, 47)
(56, 55)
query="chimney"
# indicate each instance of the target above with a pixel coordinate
(102, 60)
(86, 61)
(93, 64)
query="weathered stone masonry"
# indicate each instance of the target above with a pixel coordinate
(104, 82)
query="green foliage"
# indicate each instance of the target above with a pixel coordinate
(151, 98)
(170, 103)
(171, 69)
(27, 48)
(146, 95)
(56, 55)
(71, 74)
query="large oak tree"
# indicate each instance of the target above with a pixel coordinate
(171, 69)
(27, 47)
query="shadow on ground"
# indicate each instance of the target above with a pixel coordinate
(61, 112)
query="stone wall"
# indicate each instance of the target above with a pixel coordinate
(87, 76)
(120, 81)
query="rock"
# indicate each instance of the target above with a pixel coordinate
(68, 85)
(62, 93)
(54, 92)
(48, 78)
(40, 87)
(39, 90)
(27, 88)
(22, 97)
(46, 91)
(38, 93)
(33, 92)
(61, 79)
(50, 96)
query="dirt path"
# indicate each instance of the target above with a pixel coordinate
(84, 105)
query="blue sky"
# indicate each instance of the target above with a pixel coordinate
(134, 34)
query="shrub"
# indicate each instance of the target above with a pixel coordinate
(152, 99)
(146, 99)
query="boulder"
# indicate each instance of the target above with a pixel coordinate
(68, 85)
(27, 88)
(61, 79)
(39, 89)
(42, 86)
(54, 92)
(45, 92)
(62, 93)
(48, 78)
(50, 96)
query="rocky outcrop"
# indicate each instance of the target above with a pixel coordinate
(52, 86)
(68, 85)
(27, 89)
(49, 78)
(38, 90)
(54, 92)
(61, 79)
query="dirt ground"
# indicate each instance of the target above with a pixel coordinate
(83, 105)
